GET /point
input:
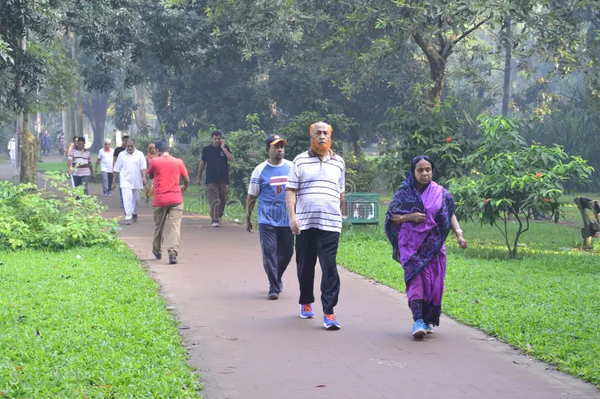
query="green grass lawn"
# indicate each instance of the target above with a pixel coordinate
(52, 166)
(93, 326)
(546, 302)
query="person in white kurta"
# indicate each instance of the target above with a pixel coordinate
(131, 168)
(12, 151)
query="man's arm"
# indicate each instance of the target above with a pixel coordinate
(116, 171)
(91, 166)
(290, 203)
(200, 170)
(186, 183)
(228, 153)
(250, 202)
(69, 162)
(98, 162)
(144, 177)
(115, 179)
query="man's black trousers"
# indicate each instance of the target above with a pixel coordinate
(310, 245)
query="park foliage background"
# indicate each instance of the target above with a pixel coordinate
(503, 94)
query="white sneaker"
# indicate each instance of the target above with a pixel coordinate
(215, 224)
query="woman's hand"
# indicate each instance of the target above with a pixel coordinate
(461, 241)
(418, 217)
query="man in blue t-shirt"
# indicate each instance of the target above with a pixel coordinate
(267, 184)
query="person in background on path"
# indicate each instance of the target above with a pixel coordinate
(60, 143)
(150, 155)
(418, 221)
(314, 194)
(80, 159)
(216, 158)
(105, 159)
(12, 152)
(267, 184)
(46, 143)
(130, 171)
(118, 151)
(168, 200)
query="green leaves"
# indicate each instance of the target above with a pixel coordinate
(510, 179)
(32, 218)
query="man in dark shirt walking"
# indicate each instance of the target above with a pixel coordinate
(216, 158)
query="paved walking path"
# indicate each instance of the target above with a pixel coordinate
(248, 347)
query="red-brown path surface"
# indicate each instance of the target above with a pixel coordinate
(248, 347)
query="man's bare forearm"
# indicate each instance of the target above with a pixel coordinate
(250, 203)
(290, 203)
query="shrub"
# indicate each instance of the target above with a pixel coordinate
(39, 219)
(445, 133)
(361, 173)
(248, 148)
(510, 179)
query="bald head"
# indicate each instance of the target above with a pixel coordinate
(320, 138)
(130, 146)
(320, 126)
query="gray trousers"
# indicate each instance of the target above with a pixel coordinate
(277, 245)
(107, 179)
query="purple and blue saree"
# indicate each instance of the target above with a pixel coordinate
(420, 247)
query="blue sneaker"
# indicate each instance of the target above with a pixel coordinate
(306, 311)
(429, 329)
(419, 329)
(330, 322)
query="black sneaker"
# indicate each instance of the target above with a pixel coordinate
(273, 296)
(173, 259)
(135, 218)
(157, 255)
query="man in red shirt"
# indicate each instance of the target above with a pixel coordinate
(168, 200)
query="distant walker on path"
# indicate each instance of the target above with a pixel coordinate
(105, 159)
(267, 184)
(216, 158)
(80, 159)
(314, 194)
(130, 171)
(168, 200)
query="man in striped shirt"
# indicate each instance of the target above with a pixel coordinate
(314, 194)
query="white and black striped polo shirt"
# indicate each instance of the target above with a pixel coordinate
(319, 186)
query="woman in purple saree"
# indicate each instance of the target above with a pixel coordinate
(418, 221)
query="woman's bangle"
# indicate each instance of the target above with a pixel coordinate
(458, 232)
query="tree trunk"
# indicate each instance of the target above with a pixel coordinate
(438, 75)
(95, 110)
(29, 154)
(140, 113)
(437, 66)
(78, 98)
(507, 66)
